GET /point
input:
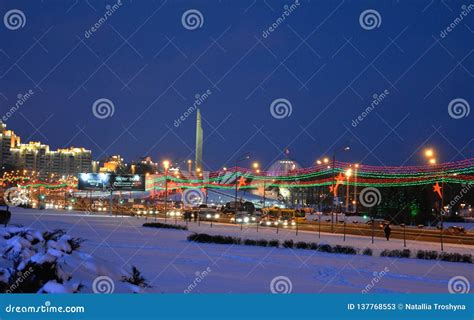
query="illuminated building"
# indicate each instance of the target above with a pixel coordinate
(8, 140)
(112, 164)
(38, 157)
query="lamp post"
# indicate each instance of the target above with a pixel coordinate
(355, 188)
(347, 148)
(236, 180)
(166, 165)
(348, 175)
(256, 167)
(430, 155)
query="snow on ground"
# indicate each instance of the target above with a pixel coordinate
(171, 264)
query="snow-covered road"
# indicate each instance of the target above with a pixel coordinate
(171, 264)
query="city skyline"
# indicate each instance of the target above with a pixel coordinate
(330, 74)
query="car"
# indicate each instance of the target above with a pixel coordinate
(174, 213)
(233, 207)
(245, 217)
(207, 213)
(378, 222)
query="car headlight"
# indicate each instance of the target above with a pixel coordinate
(217, 216)
(276, 223)
(232, 219)
(293, 223)
(268, 223)
(208, 216)
(285, 223)
(178, 214)
(239, 220)
(254, 219)
(246, 219)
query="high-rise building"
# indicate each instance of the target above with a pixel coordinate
(8, 140)
(38, 157)
(199, 137)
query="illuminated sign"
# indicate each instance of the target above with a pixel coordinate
(108, 181)
(94, 181)
(132, 182)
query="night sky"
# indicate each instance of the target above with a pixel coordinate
(319, 58)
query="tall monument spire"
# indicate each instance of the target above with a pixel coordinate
(199, 136)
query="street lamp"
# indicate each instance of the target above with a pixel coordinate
(348, 175)
(346, 148)
(429, 154)
(236, 178)
(166, 165)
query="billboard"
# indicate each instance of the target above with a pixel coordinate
(109, 181)
(94, 181)
(128, 182)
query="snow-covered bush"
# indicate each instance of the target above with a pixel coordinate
(274, 243)
(51, 262)
(164, 226)
(301, 245)
(136, 279)
(455, 257)
(344, 249)
(288, 244)
(250, 242)
(405, 253)
(367, 252)
(427, 255)
(325, 248)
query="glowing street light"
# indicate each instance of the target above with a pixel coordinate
(166, 165)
